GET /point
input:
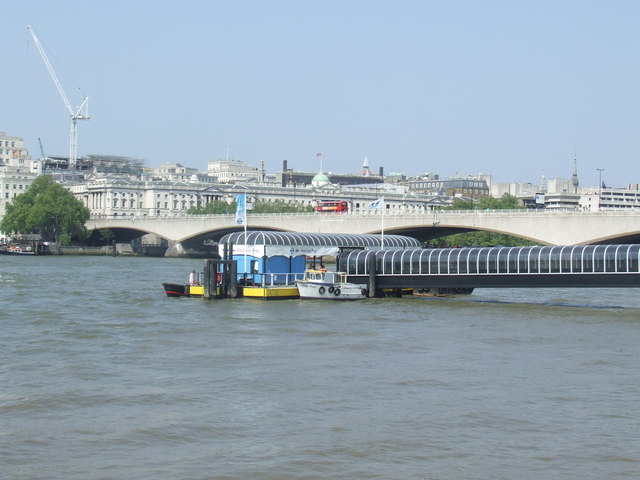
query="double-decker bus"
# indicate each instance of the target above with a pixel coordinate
(333, 206)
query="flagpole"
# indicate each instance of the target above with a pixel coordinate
(382, 224)
(245, 245)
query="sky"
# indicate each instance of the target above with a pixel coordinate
(513, 89)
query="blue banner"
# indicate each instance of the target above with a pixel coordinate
(241, 209)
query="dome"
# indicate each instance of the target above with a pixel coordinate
(320, 180)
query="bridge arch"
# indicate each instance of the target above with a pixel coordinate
(427, 232)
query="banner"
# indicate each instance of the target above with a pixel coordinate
(241, 209)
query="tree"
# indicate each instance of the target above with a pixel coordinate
(280, 206)
(259, 206)
(48, 209)
(506, 202)
(215, 207)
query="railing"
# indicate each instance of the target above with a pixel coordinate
(434, 214)
(268, 279)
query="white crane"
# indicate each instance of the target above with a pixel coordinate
(79, 113)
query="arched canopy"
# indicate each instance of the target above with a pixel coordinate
(288, 243)
(587, 259)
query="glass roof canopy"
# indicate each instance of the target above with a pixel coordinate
(289, 239)
(586, 259)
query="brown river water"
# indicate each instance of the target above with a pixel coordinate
(104, 377)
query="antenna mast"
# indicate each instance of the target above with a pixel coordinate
(80, 113)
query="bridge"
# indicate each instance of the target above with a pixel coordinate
(542, 227)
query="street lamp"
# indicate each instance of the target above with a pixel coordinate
(600, 170)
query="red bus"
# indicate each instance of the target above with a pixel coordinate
(333, 206)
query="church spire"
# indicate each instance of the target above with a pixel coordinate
(574, 178)
(366, 171)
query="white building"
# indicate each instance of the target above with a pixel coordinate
(597, 199)
(120, 196)
(234, 171)
(17, 170)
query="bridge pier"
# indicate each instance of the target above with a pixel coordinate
(372, 284)
(175, 250)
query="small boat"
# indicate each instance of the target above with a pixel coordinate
(321, 285)
(183, 290)
(17, 250)
(175, 289)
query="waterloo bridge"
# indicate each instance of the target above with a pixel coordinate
(194, 233)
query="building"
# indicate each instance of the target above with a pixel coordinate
(470, 187)
(234, 171)
(293, 178)
(12, 151)
(115, 196)
(17, 170)
(610, 199)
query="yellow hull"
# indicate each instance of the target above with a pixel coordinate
(271, 293)
(198, 291)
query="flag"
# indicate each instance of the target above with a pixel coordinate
(318, 154)
(241, 209)
(377, 203)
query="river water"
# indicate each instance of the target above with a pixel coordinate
(103, 377)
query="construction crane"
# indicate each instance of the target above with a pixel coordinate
(41, 149)
(79, 113)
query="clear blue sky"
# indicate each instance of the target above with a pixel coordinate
(509, 88)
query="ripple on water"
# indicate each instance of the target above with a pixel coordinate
(105, 377)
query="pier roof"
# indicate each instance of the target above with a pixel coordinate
(319, 239)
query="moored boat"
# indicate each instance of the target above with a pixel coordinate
(175, 290)
(17, 250)
(321, 285)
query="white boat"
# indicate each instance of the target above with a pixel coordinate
(318, 284)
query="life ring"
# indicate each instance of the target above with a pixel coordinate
(321, 290)
(331, 289)
(336, 292)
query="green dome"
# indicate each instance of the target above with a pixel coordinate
(320, 180)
